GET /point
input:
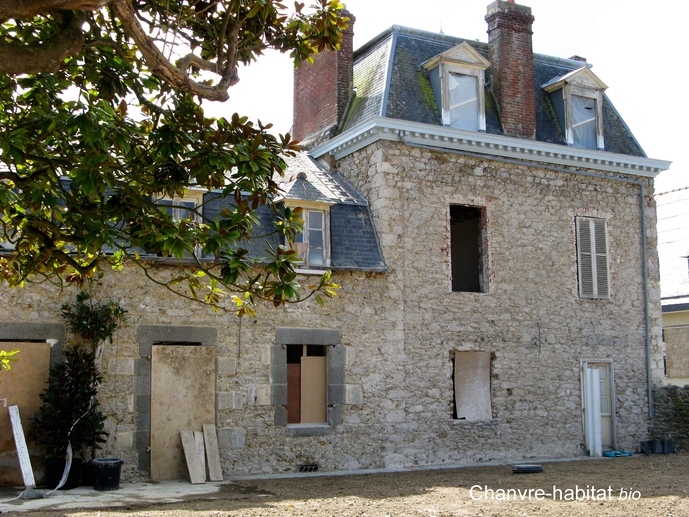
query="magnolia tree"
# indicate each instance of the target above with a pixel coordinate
(101, 117)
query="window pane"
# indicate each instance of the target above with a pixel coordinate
(316, 220)
(316, 257)
(166, 202)
(316, 238)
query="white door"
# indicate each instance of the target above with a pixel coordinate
(598, 405)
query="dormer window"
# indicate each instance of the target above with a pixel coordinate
(458, 79)
(311, 243)
(179, 209)
(578, 101)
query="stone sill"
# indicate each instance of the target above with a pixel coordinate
(479, 423)
(299, 430)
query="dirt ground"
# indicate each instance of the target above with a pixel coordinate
(636, 486)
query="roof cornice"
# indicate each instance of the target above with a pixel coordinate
(442, 137)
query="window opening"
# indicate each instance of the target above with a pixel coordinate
(466, 249)
(463, 101)
(306, 384)
(471, 374)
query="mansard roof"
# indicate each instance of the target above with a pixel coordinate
(390, 82)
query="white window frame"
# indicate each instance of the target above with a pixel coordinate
(306, 266)
(597, 96)
(191, 196)
(462, 59)
(448, 68)
(582, 83)
(593, 257)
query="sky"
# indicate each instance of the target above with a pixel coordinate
(636, 47)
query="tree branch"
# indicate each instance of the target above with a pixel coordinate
(27, 9)
(162, 67)
(43, 57)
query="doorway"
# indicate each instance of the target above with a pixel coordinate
(182, 398)
(598, 396)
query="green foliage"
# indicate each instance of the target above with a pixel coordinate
(69, 410)
(91, 141)
(92, 322)
(6, 359)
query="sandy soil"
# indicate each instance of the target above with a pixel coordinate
(636, 486)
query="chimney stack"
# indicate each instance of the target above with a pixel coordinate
(322, 90)
(512, 73)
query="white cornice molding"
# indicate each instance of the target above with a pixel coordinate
(442, 137)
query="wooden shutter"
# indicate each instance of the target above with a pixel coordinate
(592, 249)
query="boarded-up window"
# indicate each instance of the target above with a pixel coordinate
(584, 122)
(592, 250)
(472, 386)
(306, 384)
(463, 96)
(466, 249)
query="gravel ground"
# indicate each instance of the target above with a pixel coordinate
(636, 486)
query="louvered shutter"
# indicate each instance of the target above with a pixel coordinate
(592, 248)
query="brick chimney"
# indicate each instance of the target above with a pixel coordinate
(322, 90)
(511, 70)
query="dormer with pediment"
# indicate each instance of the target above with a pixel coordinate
(458, 79)
(578, 101)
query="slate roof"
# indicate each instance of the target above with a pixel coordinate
(317, 185)
(353, 241)
(390, 82)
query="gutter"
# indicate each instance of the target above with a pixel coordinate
(644, 265)
(467, 142)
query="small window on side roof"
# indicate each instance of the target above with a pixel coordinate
(313, 244)
(577, 98)
(458, 80)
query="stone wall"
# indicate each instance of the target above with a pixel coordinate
(671, 419)
(399, 330)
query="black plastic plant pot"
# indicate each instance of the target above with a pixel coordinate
(54, 470)
(107, 473)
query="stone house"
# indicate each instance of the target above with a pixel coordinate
(490, 219)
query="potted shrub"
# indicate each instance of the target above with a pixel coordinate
(69, 413)
(93, 324)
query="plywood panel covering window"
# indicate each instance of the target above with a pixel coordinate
(306, 384)
(472, 386)
(466, 249)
